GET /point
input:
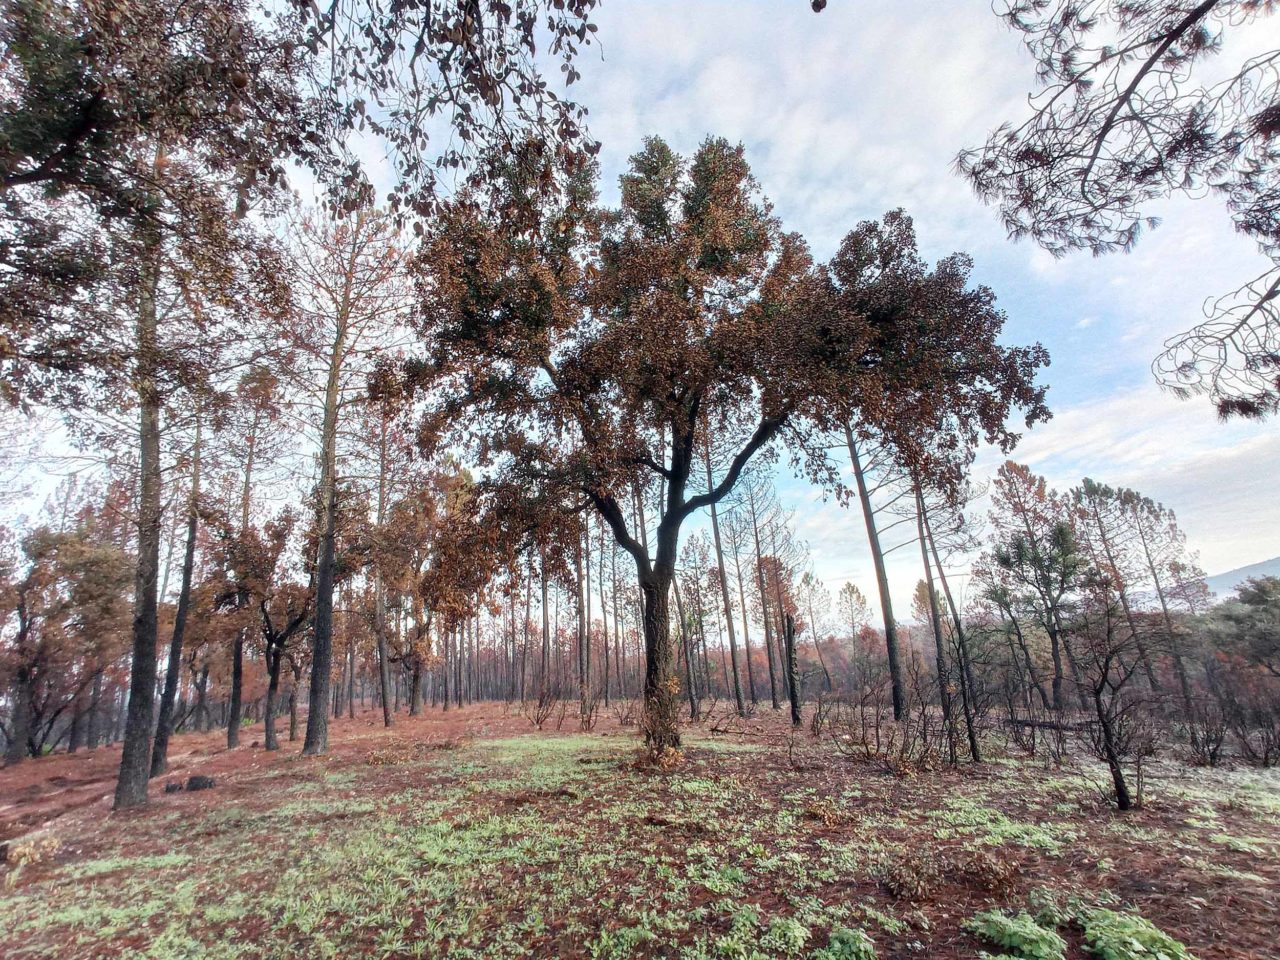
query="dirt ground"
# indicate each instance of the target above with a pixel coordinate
(470, 834)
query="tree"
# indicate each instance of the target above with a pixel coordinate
(1252, 622)
(1107, 652)
(1130, 111)
(923, 415)
(1036, 548)
(589, 353)
(173, 667)
(244, 87)
(65, 592)
(1162, 547)
(1105, 530)
(351, 279)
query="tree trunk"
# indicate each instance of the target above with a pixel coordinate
(1123, 800)
(173, 669)
(724, 593)
(135, 757)
(793, 683)
(935, 619)
(235, 708)
(95, 710)
(274, 656)
(746, 633)
(962, 641)
(659, 719)
(20, 724)
(604, 622)
(882, 581)
(764, 604)
(685, 644)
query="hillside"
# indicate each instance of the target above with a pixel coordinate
(1225, 583)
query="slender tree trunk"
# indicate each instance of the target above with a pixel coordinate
(202, 700)
(935, 618)
(1179, 668)
(684, 647)
(1123, 592)
(604, 622)
(316, 740)
(293, 704)
(582, 634)
(746, 632)
(164, 727)
(1107, 728)
(351, 680)
(95, 710)
(724, 592)
(882, 581)
(764, 603)
(235, 709)
(793, 684)
(967, 686)
(380, 597)
(546, 626)
(135, 758)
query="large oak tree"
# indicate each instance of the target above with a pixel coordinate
(583, 353)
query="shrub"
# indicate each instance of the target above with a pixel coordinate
(846, 944)
(786, 936)
(1126, 936)
(911, 877)
(1021, 935)
(986, 871)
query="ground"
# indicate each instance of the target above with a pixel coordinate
(469, 834)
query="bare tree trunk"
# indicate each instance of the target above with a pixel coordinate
(935, 618)
(882, 581)
(95, 709)
(746, 632)
(316, 740)
(604, 621)
(724, 592)
(20, 722)
(659, 720)
(546, 627)
(274, 656)
(793, 684)
(684, 647)
(135, 758)
(967, 687)
(164, 727)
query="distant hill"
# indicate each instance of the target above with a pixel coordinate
(1225, 583)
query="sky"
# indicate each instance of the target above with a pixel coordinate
(861, 109)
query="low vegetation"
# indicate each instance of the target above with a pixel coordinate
(474, 839)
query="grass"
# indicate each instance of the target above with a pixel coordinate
(541, 846)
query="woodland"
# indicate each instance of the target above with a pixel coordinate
(430, 582)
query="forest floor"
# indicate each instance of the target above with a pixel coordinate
(467, 835)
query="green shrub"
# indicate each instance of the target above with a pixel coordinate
(1126, 936)
(846, 944)
(786, 937)
(1020, 935)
